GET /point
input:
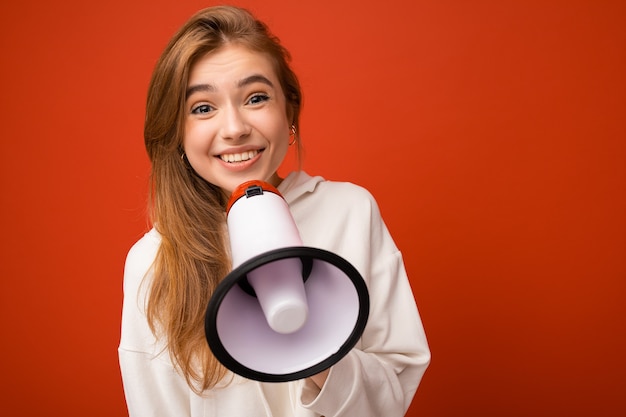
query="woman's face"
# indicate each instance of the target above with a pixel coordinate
(236, 127)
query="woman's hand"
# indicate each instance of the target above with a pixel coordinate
(320, 378)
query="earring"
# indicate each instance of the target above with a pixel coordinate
(184, 160)
(293, 133)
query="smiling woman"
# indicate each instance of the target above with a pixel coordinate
(223, 109)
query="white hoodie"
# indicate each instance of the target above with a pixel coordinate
(377, 378)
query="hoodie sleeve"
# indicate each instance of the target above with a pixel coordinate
(379, 377)
(151, 386)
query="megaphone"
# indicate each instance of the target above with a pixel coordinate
(286, 311)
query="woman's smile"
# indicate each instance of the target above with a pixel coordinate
(239, 157)
(240, 161)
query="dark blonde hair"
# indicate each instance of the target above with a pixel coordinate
(186, 210)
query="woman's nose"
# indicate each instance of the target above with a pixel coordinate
(234, 125)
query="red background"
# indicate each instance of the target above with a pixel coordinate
(492, 134)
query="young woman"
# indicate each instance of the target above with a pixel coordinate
(223, 108)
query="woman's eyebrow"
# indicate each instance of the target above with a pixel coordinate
(199, 88)
(255, 78)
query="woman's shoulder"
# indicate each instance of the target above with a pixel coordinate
(345, 197)
(331, 191)
(344, 189)
(142, 254)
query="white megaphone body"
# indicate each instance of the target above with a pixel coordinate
(286, 311)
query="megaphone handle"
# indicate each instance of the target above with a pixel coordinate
(307, 267)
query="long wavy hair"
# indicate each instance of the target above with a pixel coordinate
(186, 210)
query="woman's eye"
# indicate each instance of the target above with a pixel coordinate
(202, 109)
(258, 98)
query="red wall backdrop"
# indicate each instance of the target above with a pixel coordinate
(492, 133)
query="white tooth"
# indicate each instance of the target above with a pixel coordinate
(238, 157)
